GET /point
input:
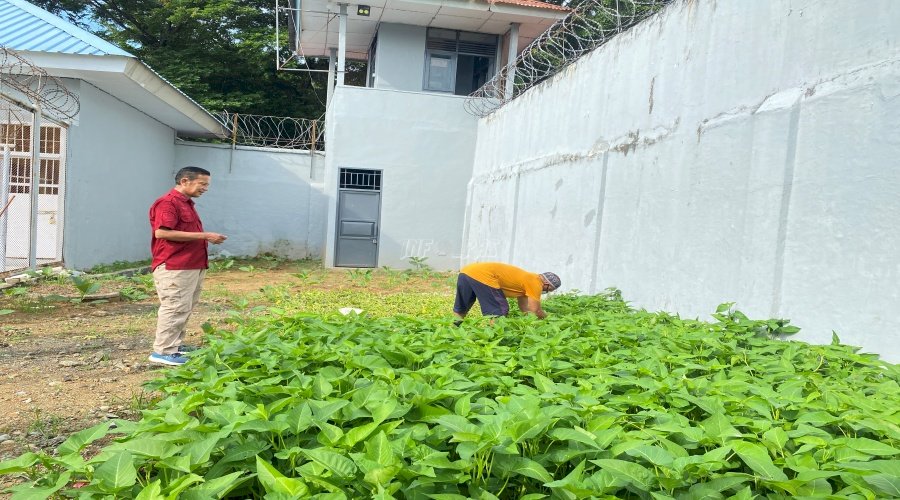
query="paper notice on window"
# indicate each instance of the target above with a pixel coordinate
(439, 63)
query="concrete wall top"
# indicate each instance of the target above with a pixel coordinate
(696, 64)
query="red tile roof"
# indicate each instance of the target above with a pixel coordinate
(532, 3)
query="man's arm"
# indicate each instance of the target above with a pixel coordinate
(529, 305)
(172, 235)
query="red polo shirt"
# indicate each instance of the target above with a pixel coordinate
(176, 211)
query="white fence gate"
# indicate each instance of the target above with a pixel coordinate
(30, 236)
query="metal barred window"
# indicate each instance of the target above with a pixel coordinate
(18, 138)
(354, 178)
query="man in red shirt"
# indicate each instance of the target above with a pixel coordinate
(178, 246)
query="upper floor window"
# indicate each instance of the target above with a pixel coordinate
(458, 61)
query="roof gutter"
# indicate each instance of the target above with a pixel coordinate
(151, 81)
(97, 71)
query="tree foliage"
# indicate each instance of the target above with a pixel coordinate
(219, 52)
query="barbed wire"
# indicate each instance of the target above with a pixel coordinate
(281, 132)
(590, 24)
(37, 86)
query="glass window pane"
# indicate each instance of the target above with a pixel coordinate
(440, 76)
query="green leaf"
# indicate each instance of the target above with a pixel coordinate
(871, 447)
(719, 427)
(275, 482)
(628, 471)
(335, 462)
(378, 450)
(576, 434)
(757, 458)
(653, 454)
(776, 437)
(19, 464)
(359, 433)
(888, 485)
(117, 472)
(27, 491)
(510, 464)
(154, 448)
(816, 418)
(78, 441)
(153, 491)
(216, 488)
(890, 467)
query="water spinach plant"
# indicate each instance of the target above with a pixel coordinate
(597, 401)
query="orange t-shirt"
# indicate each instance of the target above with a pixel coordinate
(514, 282)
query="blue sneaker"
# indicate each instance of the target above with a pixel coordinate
(168, 359)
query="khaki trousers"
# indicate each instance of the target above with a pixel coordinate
(179, 293)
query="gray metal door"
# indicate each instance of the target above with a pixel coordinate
(357, 219)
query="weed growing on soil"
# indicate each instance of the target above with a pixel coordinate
(119, 265)
(47, 425)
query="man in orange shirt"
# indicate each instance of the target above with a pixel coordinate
(492, 282)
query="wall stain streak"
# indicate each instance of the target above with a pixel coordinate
(624, 144)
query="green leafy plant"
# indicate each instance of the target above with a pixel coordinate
(16, 291)
(302, 275)
(419, 263)
(220, 265)
(598, 400)
(85, 286)
(119, 265)
(360, 277)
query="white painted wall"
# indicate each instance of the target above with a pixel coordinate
(119, 161)
(718, 152)
(264, 200)
(400, 57)
(424, 143)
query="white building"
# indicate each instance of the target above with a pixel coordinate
(400, 149)
(107, 165)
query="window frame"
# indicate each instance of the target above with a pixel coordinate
(453, 57)
(426, 85)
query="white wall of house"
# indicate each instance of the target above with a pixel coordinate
(119, 161)
(719, 152)
(424, 144)
(400, 57)
(264, 200)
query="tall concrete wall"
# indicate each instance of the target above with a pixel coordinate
(119, 160)
(423, 144)
(264, 200)
(718, 152)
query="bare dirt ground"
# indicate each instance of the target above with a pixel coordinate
(65, 365)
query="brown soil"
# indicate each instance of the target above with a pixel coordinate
(65, 365)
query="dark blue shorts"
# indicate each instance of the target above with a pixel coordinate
(491, 300)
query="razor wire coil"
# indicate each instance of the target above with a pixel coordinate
(590, 24)
(36, 86)
(281, 132)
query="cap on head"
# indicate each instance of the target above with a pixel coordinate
(551, 279)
